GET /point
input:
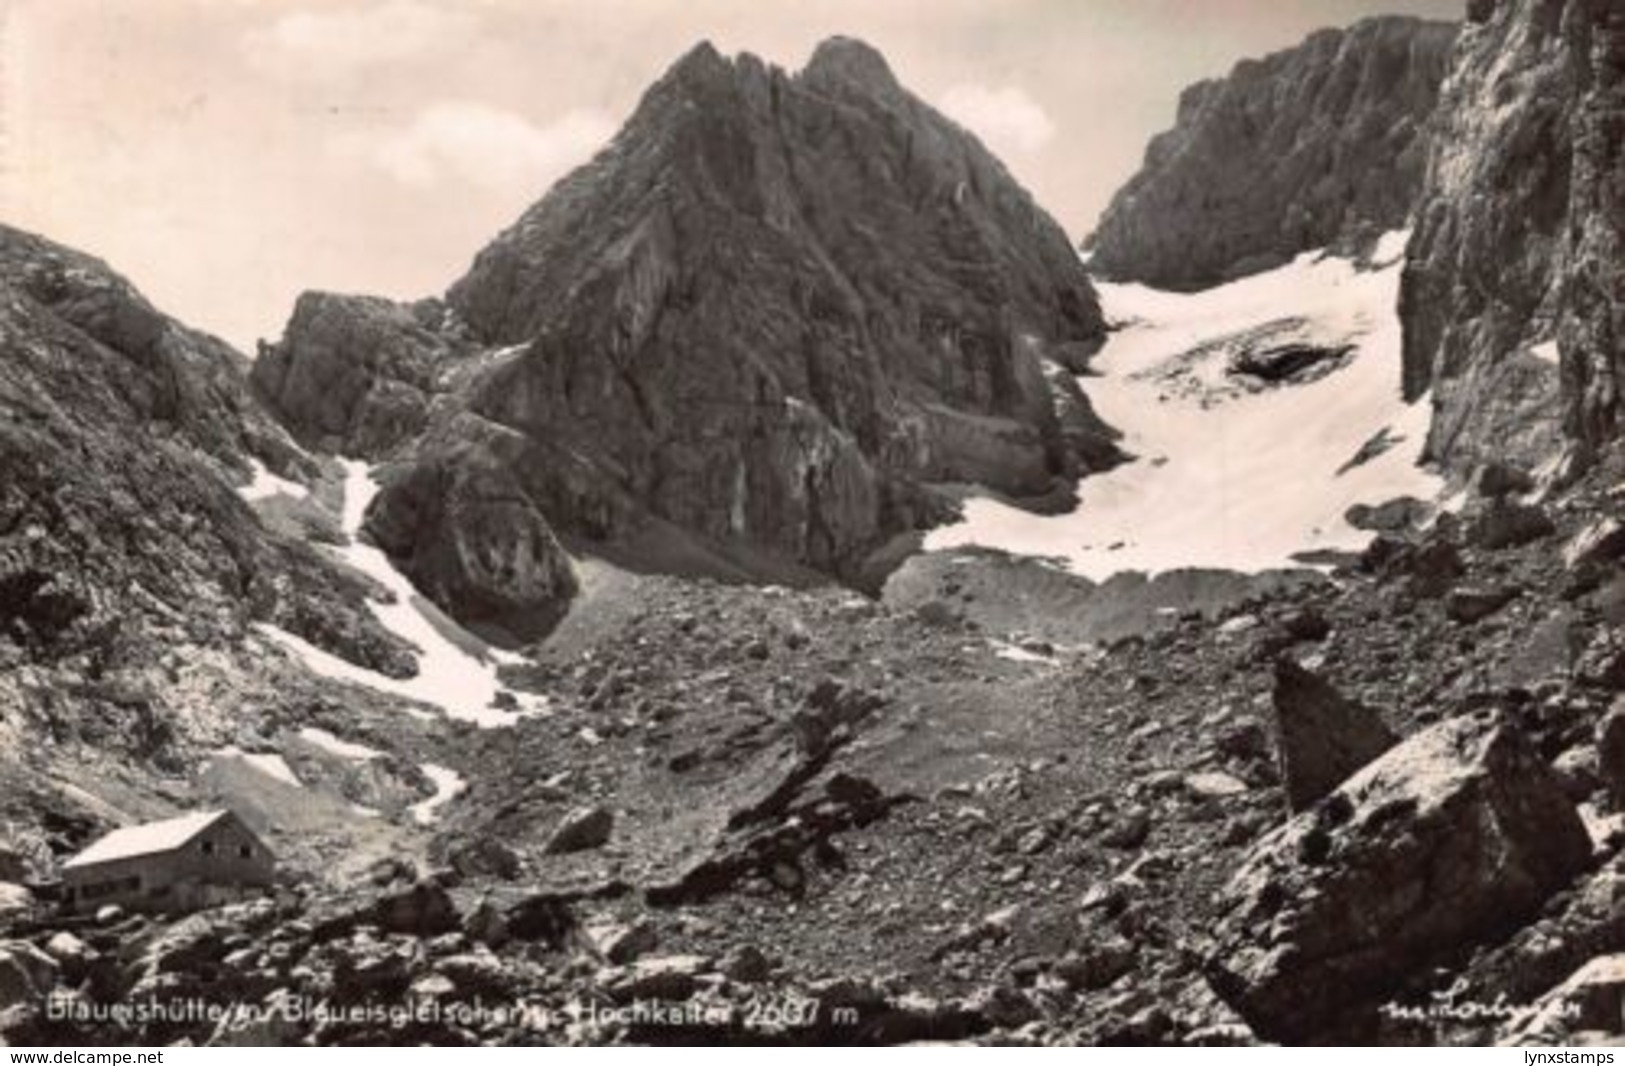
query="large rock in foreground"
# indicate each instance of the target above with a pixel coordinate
(1511, 300)
(1322, 736)
(1319, 145)
(1453, 838)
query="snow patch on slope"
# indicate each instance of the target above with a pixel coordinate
(321, 738)
(1233, 473)
(265, 484)
(459, 676)
(448, 784)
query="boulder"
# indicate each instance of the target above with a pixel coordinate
(747, 964)
(1453, 838)
(621, 942)
(543, 918)
(476, 973)
(1601, 663)
(1097, 966)
(1391, 516)
(1214, 784)
(582, 829)
(670, 977)
(14, 899)
(27, 974)
(14, 866)
(485, 856)
(1546, 651)
(1322, 736)
(1430, 568)
(1475, 603)
(1576, 771)
(1510, 525)
(424, 909)
(65, 948)
(1496, 481)
(1592, 999)
(1611, 751)
(1603, 541)
(475, 543)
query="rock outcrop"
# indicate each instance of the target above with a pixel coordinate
(1451, 839)
(1322, 736)
(754, 334)
(1512, 292)
(1322, 145)
(356, 374)
(122, 436)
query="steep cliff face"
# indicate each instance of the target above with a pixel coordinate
(122, 437)
(356, 374)
(1514, 292)
(1319, 145)
(765, 322)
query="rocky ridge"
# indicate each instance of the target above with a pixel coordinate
(1319, 146)
(1511, 298)
(127, 440)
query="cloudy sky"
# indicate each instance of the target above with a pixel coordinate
(227, 154)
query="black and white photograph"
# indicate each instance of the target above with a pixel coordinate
(1012, 523)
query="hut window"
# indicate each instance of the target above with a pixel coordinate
(245, 851)
(208, 847)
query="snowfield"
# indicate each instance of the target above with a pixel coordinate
(458, 676)
(1232, 471)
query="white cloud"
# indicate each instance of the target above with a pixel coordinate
(327, 43)
(1006, 118)
(477, 143)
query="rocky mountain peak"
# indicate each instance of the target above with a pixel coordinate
(763, 325)
(848, 63)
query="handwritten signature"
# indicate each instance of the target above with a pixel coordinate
(1452, 1005)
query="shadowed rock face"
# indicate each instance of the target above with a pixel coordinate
(1322, 736)
(1518, 239)
(764, 321)
(1319, 145)
(122, 434)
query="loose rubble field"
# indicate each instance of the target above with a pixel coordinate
(806, 815)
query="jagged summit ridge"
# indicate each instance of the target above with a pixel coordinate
(1318, 145)
(763, 324)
